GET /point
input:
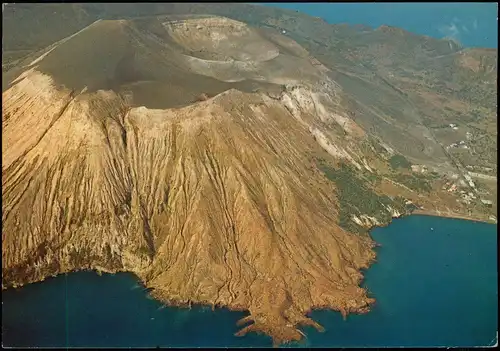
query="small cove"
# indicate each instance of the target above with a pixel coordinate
(433, 288)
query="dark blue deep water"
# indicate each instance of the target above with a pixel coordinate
(433, 287)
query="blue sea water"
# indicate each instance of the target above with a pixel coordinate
(433, 287)
(474, 24)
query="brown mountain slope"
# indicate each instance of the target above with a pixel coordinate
(192, 150)
(212, 203)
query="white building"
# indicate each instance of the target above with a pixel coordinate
(419, 168)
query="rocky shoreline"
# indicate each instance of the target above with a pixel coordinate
(279, 335)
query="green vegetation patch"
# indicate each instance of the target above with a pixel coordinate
(399, 161)
(357, 198)
(416, 182)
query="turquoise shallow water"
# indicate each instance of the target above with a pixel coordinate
(433, 287)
